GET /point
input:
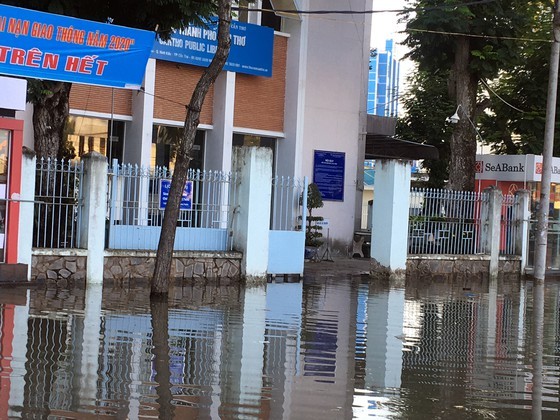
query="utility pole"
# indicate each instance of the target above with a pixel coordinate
(544, 202)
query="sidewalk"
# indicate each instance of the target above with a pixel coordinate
(337, 266)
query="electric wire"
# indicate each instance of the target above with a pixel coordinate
(361, 12)
(501, 99)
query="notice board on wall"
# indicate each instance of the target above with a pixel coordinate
(328, 174)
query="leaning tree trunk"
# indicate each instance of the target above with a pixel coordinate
(50, 111)
(162, 271)
(463, 139)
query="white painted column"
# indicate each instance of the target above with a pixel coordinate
(138, 143)
(219, 139)
(389, 233)
(26, 209)
(523, 216)
(491, 229)
(92, 229)
(253, 168)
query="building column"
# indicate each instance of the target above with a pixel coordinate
(253, 169)
(92, 228)
(219, 139)
(389, 232)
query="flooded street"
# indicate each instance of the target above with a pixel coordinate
(326, 348)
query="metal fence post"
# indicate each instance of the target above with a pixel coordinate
(94, 214)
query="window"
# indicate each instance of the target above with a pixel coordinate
(163, 153)
(87, 134)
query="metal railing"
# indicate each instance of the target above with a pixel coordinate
(445, 221)
(286, 207)
(138, 196)
(58, 199)
(509, 227)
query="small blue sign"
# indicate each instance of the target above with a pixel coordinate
(251, 48)
(186, 200)
(328, 174)
(54, 47)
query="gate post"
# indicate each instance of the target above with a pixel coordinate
(27, 209)
(253, 166)
(491, 229)
(92, 229)
(391, 206)
(522, 218)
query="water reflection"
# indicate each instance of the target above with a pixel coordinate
(329, 347)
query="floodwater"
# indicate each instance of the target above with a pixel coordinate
(325, 348)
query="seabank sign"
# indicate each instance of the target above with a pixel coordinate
(515, 168)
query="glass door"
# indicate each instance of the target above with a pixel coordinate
(5, 136)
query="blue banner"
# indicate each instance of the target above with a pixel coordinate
(328, 174)
(186, 199)
(251, 48)
(55, 47)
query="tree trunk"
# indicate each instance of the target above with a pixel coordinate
(50, 112)
(463, 139)
(162, 271)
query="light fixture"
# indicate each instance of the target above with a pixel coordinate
(454, 119)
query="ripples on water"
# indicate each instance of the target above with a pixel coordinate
(327, 348)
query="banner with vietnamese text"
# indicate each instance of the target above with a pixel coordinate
(55, 47)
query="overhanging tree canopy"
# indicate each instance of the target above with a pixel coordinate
(471, 43)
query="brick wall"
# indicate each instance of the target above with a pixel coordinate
(176, 82)
(98, 99)
(259, 101)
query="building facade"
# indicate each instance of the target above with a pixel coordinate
(383, 82)
(315, 100)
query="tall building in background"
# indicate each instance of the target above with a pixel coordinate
(383, 82)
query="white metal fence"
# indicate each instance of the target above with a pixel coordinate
(58, 200)
(444, 221)
(287, 226)
(137, 200)
(510, 225)
(286, 206)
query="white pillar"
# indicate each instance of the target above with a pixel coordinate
(491, 214)
(253, 168)
(219, 139)
(138, 144)
(523, 216)
(92, 228)
(26, 209)
(389, 232)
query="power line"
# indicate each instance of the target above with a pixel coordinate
(478, 36)
(361, 12)
(500, 98)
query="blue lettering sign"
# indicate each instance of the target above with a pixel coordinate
(328, 174)
(251, 48)
(55, 47)
(186, 199)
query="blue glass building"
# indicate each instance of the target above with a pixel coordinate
(383, 82)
